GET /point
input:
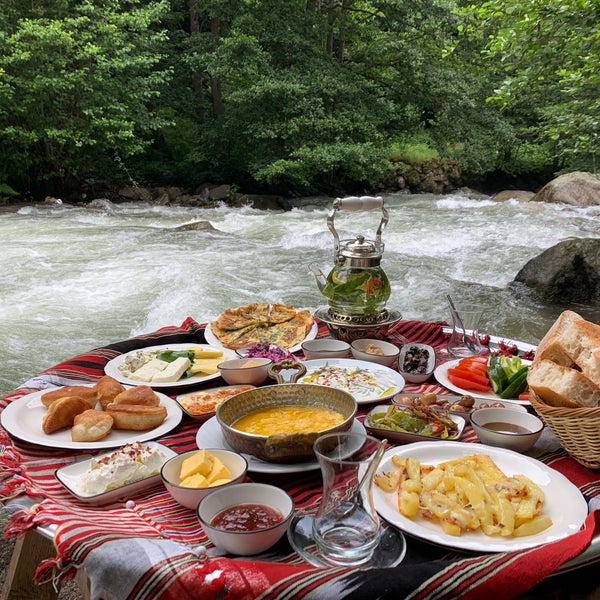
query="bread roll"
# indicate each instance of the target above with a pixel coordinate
(141, 395)
(62, 412)
(91, 425)
(108, 389)
(87, 393)
(582, 342)
(136, 417)
(553, 346)
(557, 385)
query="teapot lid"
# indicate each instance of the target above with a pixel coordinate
(361, 248)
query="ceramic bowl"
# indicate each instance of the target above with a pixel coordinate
(416, 362)
(374, 350)
(325, 348)
(506, 428)
(285, 447)
(190, 497)
(245, 543)
(251, 371)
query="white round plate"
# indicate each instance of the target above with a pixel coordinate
(441, 374)
(23, 417)
(214, 341)
(563, 502)
(210, 436)
(385, 381)
(112, 367)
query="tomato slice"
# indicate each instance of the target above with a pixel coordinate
(474, 360)
(470, 375)
(524, 396)
(467, 384)
(474, 367)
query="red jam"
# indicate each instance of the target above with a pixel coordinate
(247, 517)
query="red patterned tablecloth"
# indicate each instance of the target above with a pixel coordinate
(148, 546)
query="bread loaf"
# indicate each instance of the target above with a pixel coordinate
(553, 345)
(108, 389)
(142, 395)
(136, 417)
(62, 412)
(91, 426)
(582, 343)
(88, 393)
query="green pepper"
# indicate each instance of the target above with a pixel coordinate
(516, 384)
(497, 375)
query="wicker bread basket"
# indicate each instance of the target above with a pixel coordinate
(578, 429)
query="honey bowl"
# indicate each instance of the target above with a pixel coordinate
(285, 443)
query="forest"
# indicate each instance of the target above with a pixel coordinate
(294, 96)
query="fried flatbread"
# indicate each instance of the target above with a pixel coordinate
(255, 313)
(285, 326)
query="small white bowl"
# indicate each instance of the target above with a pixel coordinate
(506, 428)
(416, 362)
(245, 543)
(250, 371)
(190, 497)
(360, 351)
(325, 348)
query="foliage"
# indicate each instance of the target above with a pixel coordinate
(549, 51)
(292, 96)
(77, 85)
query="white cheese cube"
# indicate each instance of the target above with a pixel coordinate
(173, 371)
(148, 370)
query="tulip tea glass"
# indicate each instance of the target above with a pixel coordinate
(464, 339)
(346, 529)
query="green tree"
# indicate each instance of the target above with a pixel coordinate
(549, 51)
(79, 83)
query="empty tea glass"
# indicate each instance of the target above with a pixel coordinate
(464, 339)
(346, 529)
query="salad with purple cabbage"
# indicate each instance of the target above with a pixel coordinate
(266, 350)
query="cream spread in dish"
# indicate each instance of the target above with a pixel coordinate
(128, 464)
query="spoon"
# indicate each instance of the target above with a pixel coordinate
(470, 345)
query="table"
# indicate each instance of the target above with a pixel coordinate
(150, 547)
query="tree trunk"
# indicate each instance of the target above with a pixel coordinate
(197, 80)
(215, 82)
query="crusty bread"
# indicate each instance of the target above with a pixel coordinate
(108, 389)
(62, 412)
(136, 417)
(87, 393)
(557, 385)
(91, 425)
(553, 346)
(582, 342)
(142, 395)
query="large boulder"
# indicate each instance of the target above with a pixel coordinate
(519, 195)
(578, 189)
(566, 273)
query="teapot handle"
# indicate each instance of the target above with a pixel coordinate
(355, 204)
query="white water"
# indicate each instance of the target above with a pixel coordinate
(75, 278)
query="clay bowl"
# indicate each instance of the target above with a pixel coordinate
(284, 447)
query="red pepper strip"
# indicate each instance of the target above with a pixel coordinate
(480, 378)
(466, 384)
(524, 396)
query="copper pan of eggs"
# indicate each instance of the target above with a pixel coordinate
(279, 423)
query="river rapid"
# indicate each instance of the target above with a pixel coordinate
(74, 278)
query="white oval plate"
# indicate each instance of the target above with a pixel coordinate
(23, 417)
(112, 367)
(563, 501)
(441, 374)
(386, 382)
(404, 437)
(210, 436)
(214, 341)
(70, 477)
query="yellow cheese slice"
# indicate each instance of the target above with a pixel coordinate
(199, 462)
(195, 481)
(218, 471)
(205, 366)
(207, 352)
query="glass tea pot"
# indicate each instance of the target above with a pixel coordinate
(357, 285)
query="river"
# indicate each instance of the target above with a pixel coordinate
(74, 278)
